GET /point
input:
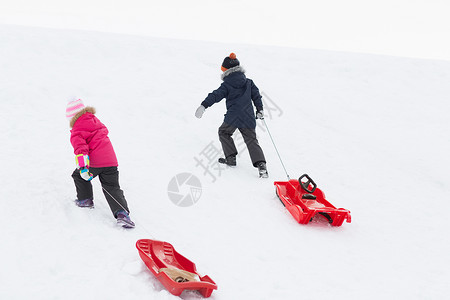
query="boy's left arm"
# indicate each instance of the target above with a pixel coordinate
(213, 97)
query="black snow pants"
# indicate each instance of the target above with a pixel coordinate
(109, 178)
(249, 134)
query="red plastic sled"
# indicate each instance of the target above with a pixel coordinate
(304, 200)
(158, 255)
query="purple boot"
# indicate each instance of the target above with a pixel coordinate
(123, 219)
(85, 203)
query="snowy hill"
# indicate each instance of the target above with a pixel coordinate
(371, 130)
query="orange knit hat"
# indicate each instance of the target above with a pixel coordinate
(229, 62)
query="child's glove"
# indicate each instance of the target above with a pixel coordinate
(84, 173)
(82, 161)
(199, 112)
(260, 114)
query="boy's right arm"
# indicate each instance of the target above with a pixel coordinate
(256, 97)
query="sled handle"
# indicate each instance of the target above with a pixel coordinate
(305, 185)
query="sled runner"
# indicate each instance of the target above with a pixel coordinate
(174, 271)
(304, 200)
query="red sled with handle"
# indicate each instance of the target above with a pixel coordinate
(304, 200)
(174, 271)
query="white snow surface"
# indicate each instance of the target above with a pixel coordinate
(371, 130)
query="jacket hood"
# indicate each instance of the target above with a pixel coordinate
(235, 77)
(232, 70)
(89, 109)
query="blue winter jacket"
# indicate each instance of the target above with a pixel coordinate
(239, 92)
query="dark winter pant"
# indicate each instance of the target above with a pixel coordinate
(249, 135)
(109, 178)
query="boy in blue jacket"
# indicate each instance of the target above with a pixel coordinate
(239, 92)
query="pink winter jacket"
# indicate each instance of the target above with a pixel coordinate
(89, 136)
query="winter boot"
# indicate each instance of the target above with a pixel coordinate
(262, 169)
(123, 219)
(85, 203)
(229, 161)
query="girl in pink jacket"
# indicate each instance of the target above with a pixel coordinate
(95, 156)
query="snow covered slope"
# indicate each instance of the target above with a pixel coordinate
(371, 130)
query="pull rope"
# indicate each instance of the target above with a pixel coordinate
(264, 121)
(136, 221)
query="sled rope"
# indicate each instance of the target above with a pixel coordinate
(264, 121)
(135, 219)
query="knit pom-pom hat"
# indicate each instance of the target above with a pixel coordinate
(229, 62)
(73, 107)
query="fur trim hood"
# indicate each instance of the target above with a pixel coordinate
(88, 109)
(232, 70)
